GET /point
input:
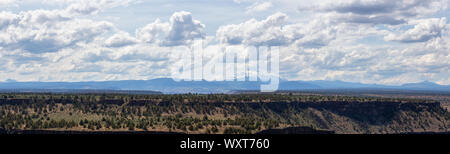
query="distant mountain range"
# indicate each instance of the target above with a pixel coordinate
(169, 86)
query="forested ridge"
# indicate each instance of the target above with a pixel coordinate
(219, 113)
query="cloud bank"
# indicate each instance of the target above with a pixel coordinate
(383, 41)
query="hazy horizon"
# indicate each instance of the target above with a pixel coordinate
(281, 80)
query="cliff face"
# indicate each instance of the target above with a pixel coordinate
(446, 106)
(412, 117)
(363, 117)
(295, 130)
(378, 117)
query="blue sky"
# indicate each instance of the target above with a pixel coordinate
(368, 41)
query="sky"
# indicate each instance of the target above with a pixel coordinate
(367, 41)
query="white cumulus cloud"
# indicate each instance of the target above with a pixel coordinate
(47, 30)
(120, 39)
(424, 30)
(254, 32)
(259, 6)
(180, 30)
